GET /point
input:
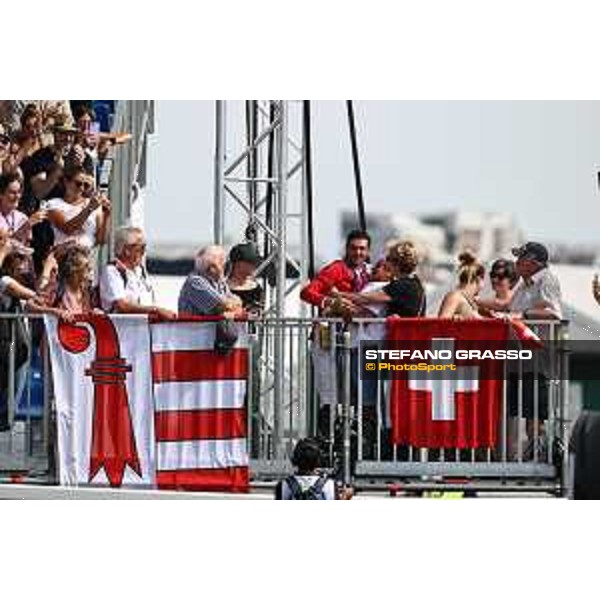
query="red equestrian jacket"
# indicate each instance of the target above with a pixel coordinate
(337, 274)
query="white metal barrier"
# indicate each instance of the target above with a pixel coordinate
(349, 416)
(317, 391)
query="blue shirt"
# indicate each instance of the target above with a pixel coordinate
(201, 295)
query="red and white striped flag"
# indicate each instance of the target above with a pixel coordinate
(199, 398)
(149, 404)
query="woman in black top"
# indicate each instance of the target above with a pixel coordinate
(404, 295)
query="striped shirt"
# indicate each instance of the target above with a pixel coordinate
(201, 295)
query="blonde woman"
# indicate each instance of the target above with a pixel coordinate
(404, 295)
(461, 303)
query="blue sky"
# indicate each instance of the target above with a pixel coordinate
(535, 159)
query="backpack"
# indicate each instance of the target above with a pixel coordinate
(314, 492)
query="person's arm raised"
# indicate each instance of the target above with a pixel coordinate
(59, 220)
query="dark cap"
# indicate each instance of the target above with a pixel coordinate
(532, 251)
(244, 252)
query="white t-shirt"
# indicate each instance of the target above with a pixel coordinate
(86, 236)
(131, 285)
(371, 331)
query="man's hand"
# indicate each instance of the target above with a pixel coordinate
(94, 202)
(38, 217)
(232, 303)
(347, 306)
(105, 203)
(77, 155)
(165, 313)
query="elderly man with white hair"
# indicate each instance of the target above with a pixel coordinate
(205, 291)
(124, 283)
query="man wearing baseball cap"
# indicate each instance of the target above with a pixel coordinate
(537, 297)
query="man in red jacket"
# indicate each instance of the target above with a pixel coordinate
(349, 274)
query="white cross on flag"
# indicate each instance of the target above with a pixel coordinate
(458, 409)
(148, 404)
(443, 390)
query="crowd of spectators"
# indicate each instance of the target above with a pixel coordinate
(53, 216)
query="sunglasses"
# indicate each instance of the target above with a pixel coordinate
(82, 185)
(4, 139)
(498, 276)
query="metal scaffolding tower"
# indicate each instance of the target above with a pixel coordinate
(260, 196)
(260, 172)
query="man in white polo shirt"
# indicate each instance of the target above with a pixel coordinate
(124, 283)
(536, 296)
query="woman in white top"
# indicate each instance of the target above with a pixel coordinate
(461, 303)
(82, 216)
(12, 221)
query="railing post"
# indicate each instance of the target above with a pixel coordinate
(46, 424)
(564, 406)
(11, 375)
(346, 406)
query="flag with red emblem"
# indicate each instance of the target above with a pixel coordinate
(149, 404)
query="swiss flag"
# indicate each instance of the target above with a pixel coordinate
(458, 411)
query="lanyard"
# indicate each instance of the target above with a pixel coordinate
(10, 226)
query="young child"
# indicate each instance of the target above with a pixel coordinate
(307, 483)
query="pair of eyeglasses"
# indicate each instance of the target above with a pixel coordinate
(498, 276)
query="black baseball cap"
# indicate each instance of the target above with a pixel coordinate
(532, 251)
(244, 252)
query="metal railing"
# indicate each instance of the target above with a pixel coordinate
(325, 397)
(319, 392)
(26, 432)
